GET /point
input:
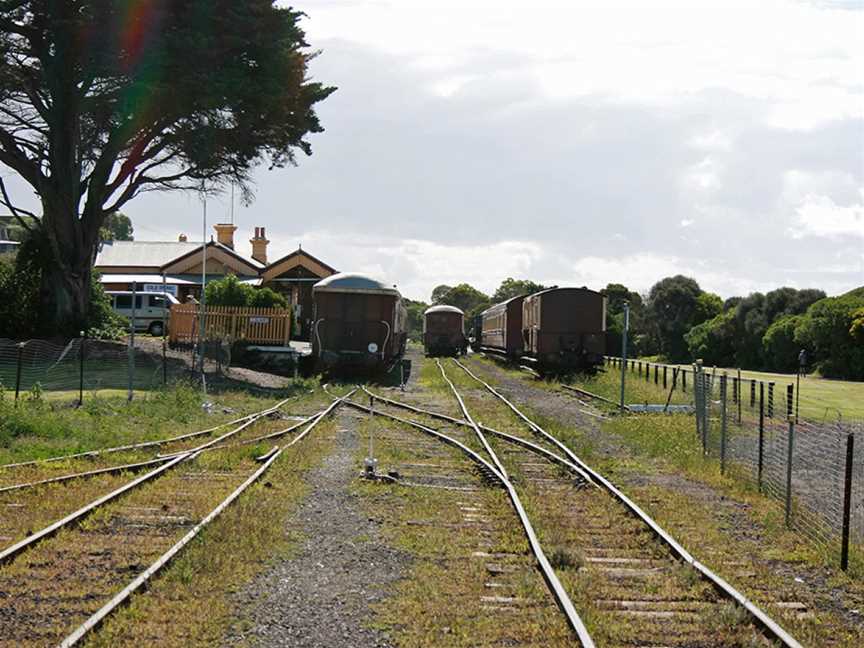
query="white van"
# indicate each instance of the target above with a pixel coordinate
(149, 309)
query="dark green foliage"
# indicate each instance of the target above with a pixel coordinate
(467, 298)
(826, 331)
(230, 291)
(511, 287)
(117, 227)
(415, 318)
(267, 298)
(780, 347)
(21, 279)
(103, 99)
(673, 305)
(713, 341)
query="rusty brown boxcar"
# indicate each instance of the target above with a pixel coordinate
(564, 329)
(359, 323)
(502, 327)
(444, 331)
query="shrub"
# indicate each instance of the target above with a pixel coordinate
(230, 291)
(780, 346)
(827, 331)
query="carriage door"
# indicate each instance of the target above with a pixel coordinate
(352, 318)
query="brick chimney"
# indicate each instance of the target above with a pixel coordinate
(225, 234)
(182, 238)
(259, 245)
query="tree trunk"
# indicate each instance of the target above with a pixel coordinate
(65, 298)
(68, 253)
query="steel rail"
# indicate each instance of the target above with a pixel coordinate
(470, 420)
(525, 443)
(549, 575)
(474, 456)
(766, 622)
(19, 547)
(145, 444)
(159, 459)
(95, 620)
(531, 424)
(589, 394)
(89, 473)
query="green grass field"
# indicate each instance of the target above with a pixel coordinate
(820, 397)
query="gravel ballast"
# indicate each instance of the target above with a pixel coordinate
(322, 595)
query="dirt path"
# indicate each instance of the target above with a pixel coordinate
(321, 597)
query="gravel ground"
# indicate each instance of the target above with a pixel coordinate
(321, 597)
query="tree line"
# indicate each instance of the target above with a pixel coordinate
(679, 322)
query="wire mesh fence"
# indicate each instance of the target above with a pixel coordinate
(40, 368)
(811, 465)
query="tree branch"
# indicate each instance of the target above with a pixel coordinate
(16, 211)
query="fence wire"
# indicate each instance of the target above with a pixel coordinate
(37, 368)
(760, 433)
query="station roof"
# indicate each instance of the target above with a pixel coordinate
(443, 308)
(352, 282)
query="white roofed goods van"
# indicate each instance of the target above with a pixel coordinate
(146, 311)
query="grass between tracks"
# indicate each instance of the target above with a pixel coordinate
(445, 600)
(194, 601)
(725, 523)
(35, 428)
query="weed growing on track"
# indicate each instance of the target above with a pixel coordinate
(197, 591)
(36, 429)
(445, 599)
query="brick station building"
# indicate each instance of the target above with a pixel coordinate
(146, 263)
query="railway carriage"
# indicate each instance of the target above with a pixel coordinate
(359, 323)
(444, 331)
(501, 330)
(564, 329)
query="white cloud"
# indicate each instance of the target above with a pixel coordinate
(820, 216)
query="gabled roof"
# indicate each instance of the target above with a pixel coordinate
(298, 257)
(256, 266)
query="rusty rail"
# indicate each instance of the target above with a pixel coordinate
(549, 575)
(775, 631)
(19, 547)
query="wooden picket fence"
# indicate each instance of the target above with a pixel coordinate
(270, 326)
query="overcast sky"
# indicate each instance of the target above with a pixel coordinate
(573, 144)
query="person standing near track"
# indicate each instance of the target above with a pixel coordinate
(802, 363)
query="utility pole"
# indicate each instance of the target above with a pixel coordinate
(624, 351)
(203, 304)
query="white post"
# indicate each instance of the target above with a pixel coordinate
(203, 303)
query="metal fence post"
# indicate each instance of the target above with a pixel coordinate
(752, 394)
(790, 400)
(684, 381)
(770, 399)
(696, 401)
(81, 370)
(761, 460)
(18, 369)
(789, 471)
(723, 422)
(130, 370)
(656, 374)
(847, 503)
(738, 394)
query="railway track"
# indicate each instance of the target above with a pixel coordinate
(637, 583)
(51, 585)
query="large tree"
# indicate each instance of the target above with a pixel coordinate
(511, 287)
(101, 100)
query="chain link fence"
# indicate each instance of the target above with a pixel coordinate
(814, 466)
(44, 369)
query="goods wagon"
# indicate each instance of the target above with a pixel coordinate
(444, 331)
(564, 329)
(359, 323)
(502, 327)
